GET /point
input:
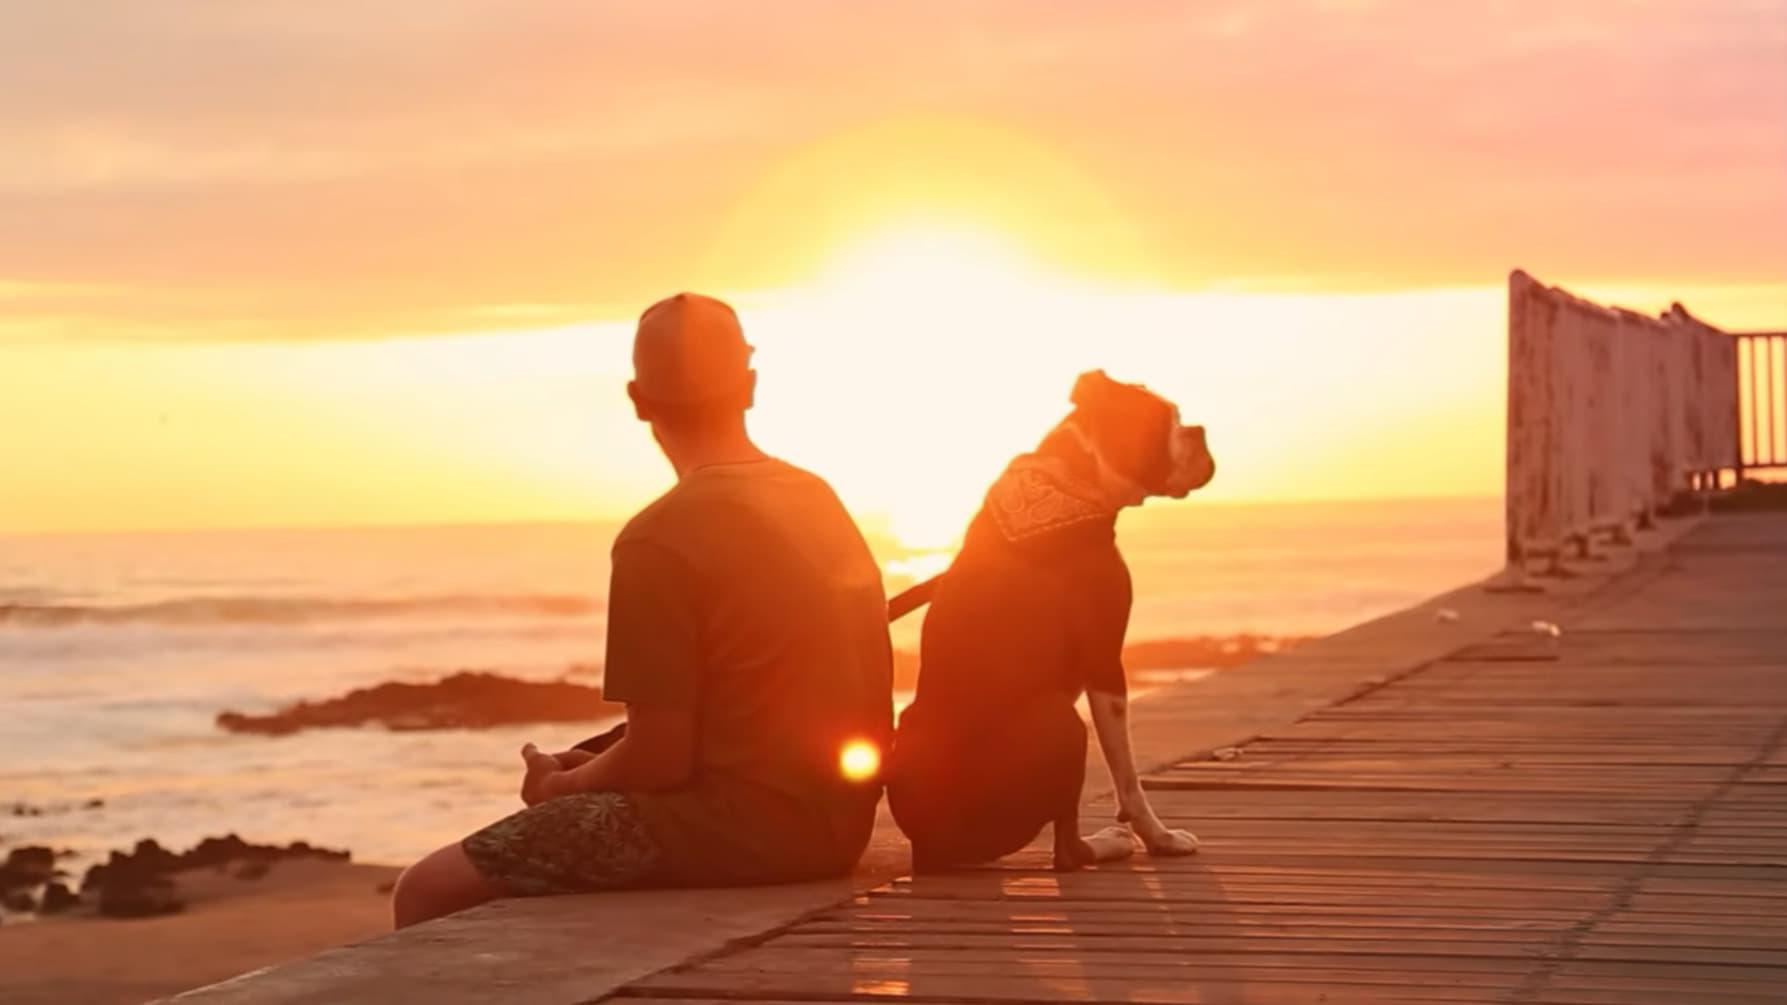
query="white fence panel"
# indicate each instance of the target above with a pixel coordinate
(1610, 414)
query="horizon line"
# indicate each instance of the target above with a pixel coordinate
(870, 518)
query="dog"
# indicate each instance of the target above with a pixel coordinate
(1031, 614)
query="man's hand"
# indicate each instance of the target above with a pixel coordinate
(542, 768)
(573, 758)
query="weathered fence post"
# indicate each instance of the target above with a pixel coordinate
(1611, 416)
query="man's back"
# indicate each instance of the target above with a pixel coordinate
(748, 591)
(747, 636)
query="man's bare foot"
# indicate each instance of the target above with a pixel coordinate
(1108, 845)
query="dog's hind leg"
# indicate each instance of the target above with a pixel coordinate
(972, 805)
(1073, 851)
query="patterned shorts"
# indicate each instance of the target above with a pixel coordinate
(573, 844)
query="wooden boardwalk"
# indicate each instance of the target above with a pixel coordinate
(1596, 818)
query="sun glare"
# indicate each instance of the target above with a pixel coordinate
(941, 262)
(859, 761)
(912, 367)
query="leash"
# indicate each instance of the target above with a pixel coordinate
(908, 600)
(912, 598)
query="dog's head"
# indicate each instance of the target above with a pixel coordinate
(1136, 435)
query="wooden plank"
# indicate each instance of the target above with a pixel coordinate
(1608, 827)
(1385, 912)
(1336, 988)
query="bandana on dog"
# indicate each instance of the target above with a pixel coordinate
(1134, 433)
(1038, 494)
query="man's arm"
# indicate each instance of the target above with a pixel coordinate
(653, 665)
(657, 752)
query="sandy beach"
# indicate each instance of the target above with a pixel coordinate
(230, 926)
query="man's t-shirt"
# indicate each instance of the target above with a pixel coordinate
(748, 592)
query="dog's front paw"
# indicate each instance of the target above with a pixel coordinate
(1166, 842)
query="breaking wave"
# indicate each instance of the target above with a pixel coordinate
(296, 610)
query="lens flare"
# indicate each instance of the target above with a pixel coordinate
(859, 761)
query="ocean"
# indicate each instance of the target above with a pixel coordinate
(117, 651)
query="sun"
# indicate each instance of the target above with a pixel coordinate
(924, 174)
(905, 269)
(914, 365)
(923, 286)
(944, 295)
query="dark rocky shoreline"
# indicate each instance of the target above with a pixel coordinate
(465, 700)
(24, 871)
(32, 810)
(140, 883)
(474, 699)
(1192, 652)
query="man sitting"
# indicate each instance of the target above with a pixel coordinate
(747, 636)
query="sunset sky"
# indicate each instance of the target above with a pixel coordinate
(313, 263)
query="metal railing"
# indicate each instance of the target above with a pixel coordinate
(1761, 400)
(1611, 415)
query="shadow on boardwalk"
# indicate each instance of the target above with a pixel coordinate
(1599, 819)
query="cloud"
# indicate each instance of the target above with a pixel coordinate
(306, 169)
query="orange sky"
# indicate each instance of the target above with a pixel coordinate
(279, 264)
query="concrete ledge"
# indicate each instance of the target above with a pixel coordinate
(562, 950)
(549, 950)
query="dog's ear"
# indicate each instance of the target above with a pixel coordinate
(1138, 433)
(1091, 389)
